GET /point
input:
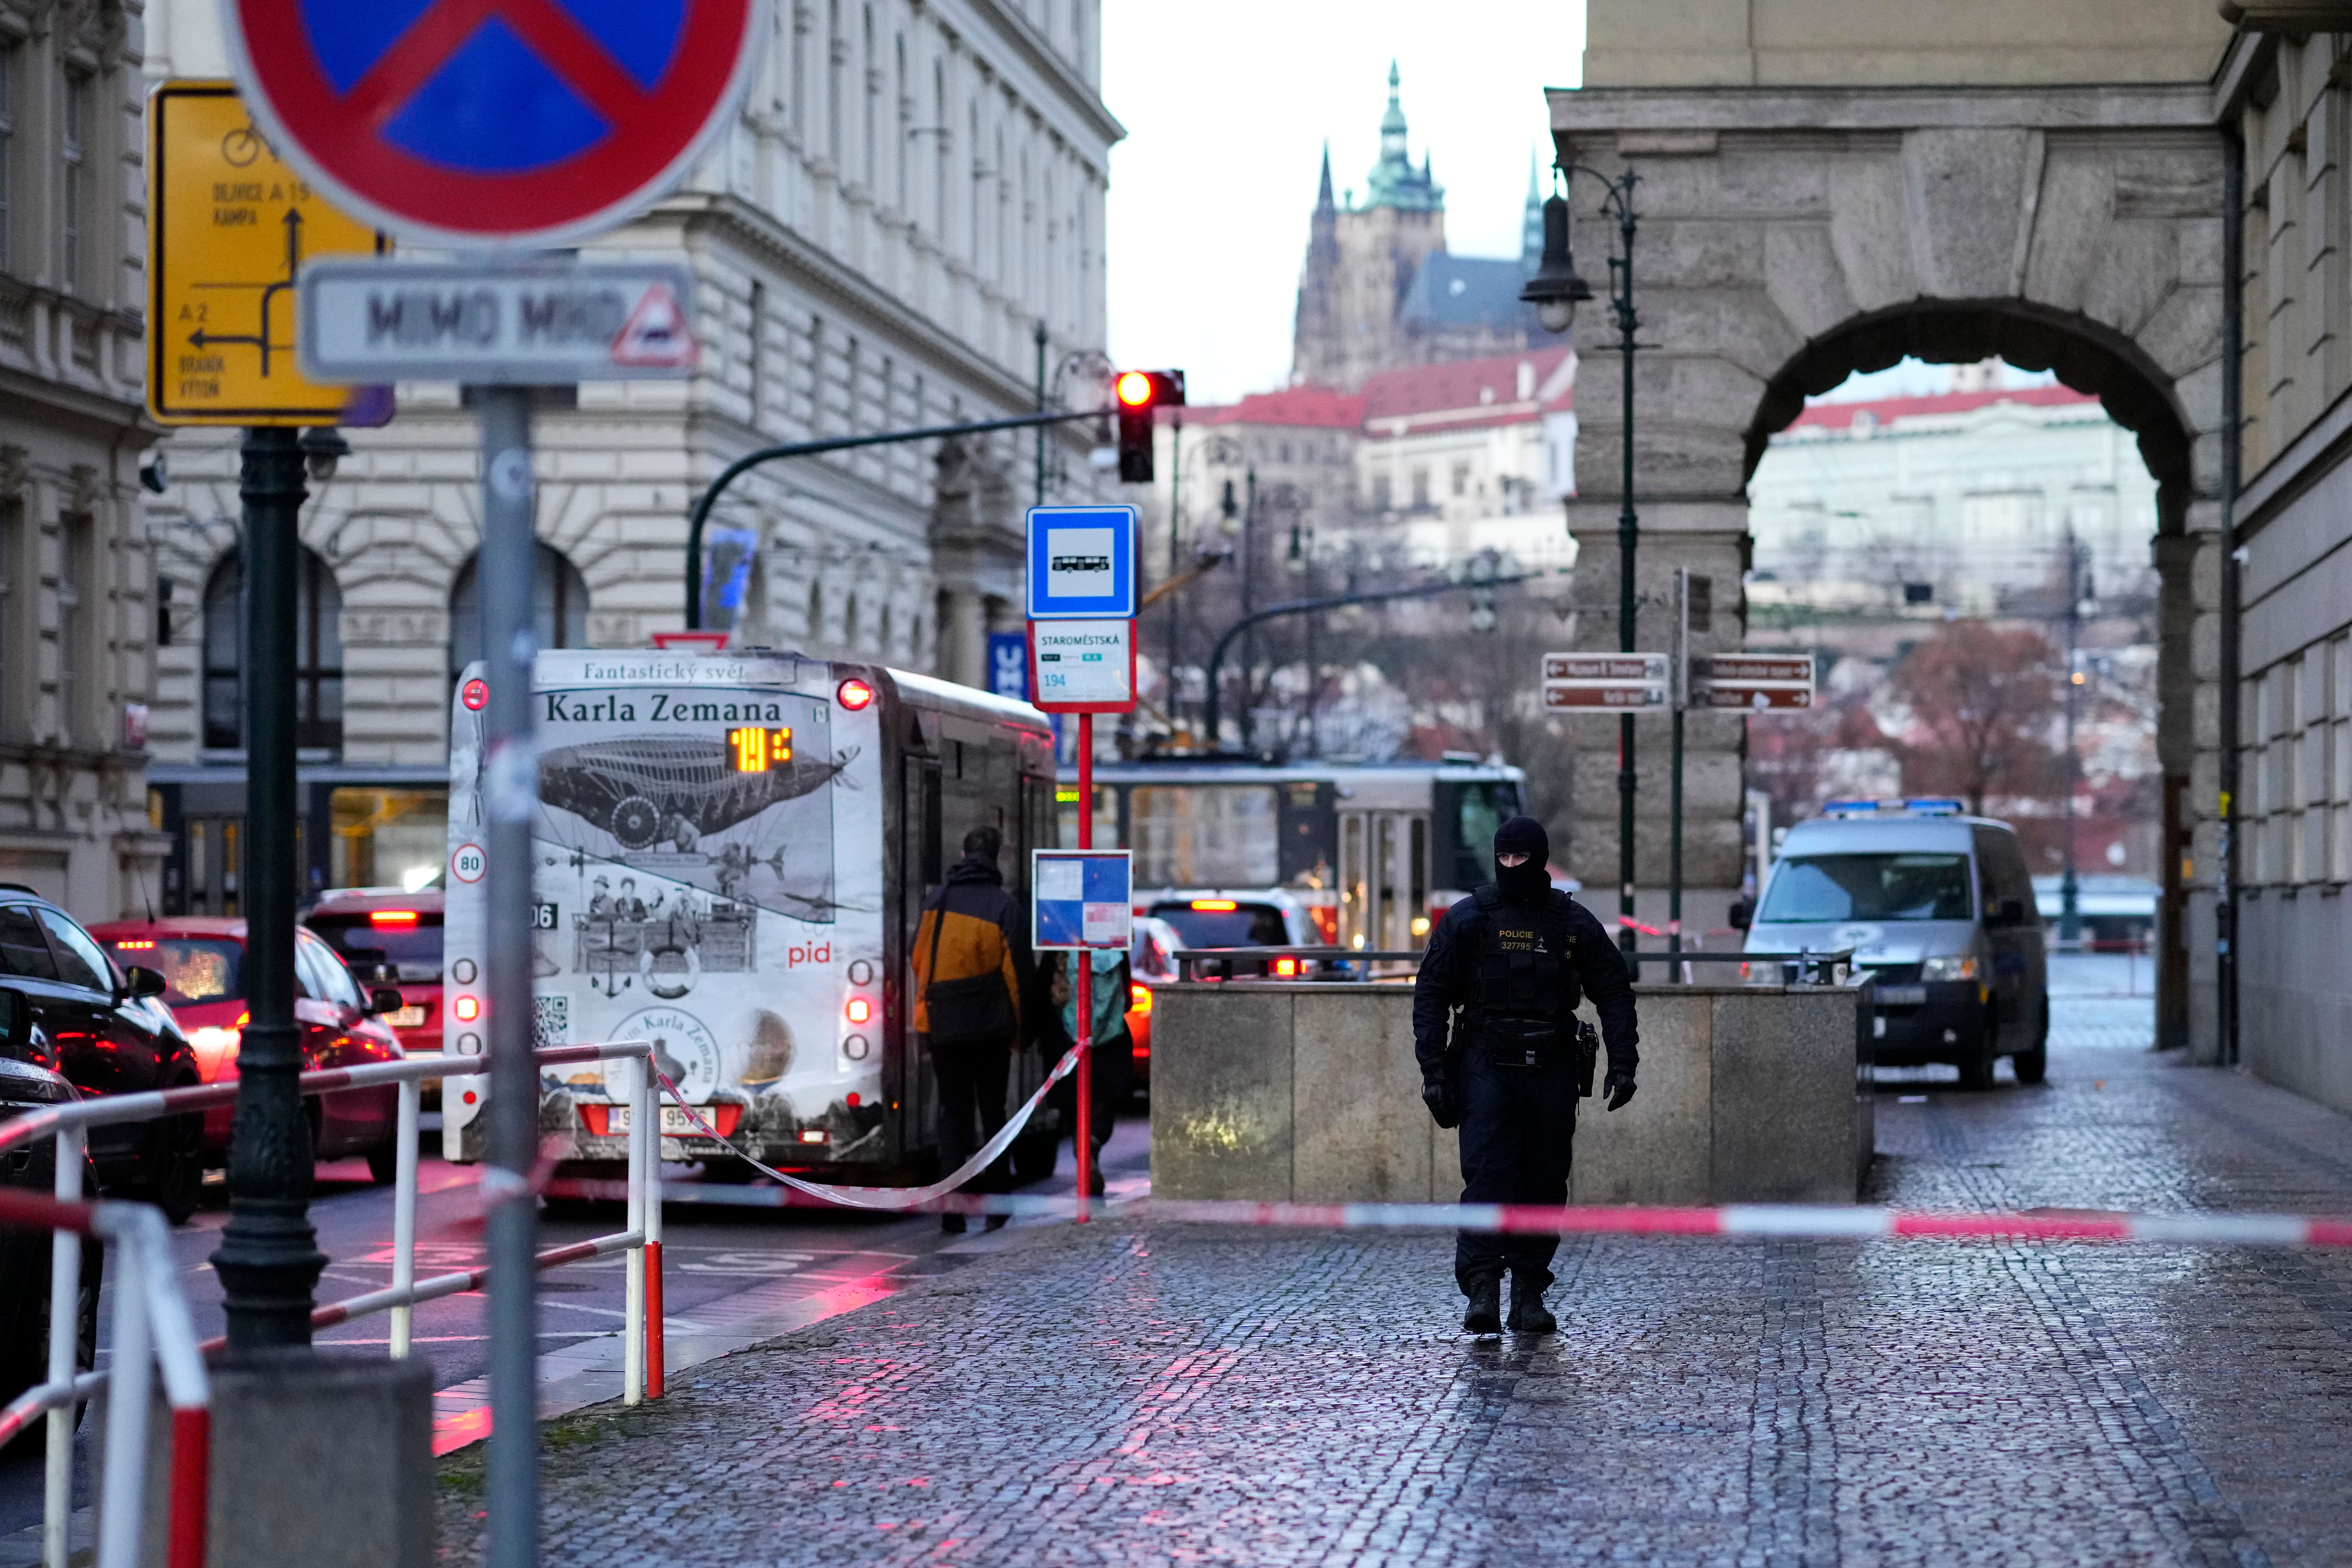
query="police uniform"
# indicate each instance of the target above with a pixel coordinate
(1496, 1033)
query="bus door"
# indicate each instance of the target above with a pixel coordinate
(923, 865)
(1383, 880)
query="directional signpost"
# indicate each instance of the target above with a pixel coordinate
(1082, 660)
(1606, 682)
(1755, 681)
(499, 127)
(231, 228)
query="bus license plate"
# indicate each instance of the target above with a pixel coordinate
(674, 1122)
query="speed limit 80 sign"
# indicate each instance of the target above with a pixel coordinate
(468, 863)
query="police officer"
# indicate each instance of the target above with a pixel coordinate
(1504, 969)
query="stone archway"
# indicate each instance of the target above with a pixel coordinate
(1791, 236)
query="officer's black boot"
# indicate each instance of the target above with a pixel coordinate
(1484, 1313)
(1528, 1315)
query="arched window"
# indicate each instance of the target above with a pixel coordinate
(559, 606)
(318, 655)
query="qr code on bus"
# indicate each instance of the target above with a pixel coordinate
(550, 1021)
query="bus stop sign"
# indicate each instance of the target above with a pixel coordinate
(1081, 562)
(479, 124)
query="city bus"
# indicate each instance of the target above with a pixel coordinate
(1374, 851)
(731, 855)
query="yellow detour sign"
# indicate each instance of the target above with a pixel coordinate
(228, 228)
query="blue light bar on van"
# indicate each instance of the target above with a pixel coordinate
(1918, 806)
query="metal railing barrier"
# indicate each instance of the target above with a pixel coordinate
(642, 1374)
(151, 1330)
(1807, 967)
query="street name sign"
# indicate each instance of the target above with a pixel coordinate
(230, 229)
(1081, 667)
(1080, 899)
(1755, 681)
(1081, 562)
(1605, 682)
(547, 324)
(485, 124)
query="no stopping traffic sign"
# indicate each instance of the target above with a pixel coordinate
(474, 123)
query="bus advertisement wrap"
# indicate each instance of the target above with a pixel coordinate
(697, 886)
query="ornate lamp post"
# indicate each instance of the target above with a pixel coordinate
(1555, 291)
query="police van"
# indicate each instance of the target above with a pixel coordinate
(1939, 908)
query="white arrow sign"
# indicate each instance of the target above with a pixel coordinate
(548, 325)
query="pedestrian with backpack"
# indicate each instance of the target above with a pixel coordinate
(973, 967)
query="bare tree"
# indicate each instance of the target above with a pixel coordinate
(1983, 701)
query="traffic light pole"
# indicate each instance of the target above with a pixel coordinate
(700, 517)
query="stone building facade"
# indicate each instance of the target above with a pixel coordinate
(1827, 191)
(2285, 93)
(76, 569)
(1379, 289)
(913, 189)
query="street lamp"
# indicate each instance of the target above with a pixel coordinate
(1555, 291)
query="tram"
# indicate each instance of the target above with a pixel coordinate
(1375, 851)
(731, 854)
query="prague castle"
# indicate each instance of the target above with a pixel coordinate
(1380, 290)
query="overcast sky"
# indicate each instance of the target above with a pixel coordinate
(1227, 104)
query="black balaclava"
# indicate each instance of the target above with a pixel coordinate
(1523, 835)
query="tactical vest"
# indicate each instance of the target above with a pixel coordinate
(1523, 990)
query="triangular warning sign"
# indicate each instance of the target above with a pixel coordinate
(657, 334)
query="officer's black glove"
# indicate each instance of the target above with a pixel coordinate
(1438, 1095)
(1617, 1089)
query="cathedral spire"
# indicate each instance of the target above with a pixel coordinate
(1395, 182)
(1531, 226)
(1323, 196)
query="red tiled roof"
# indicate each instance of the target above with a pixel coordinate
(1318, 408)
(1841, 416)
(1424, 389)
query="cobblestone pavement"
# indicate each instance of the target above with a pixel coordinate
(1132, 1393)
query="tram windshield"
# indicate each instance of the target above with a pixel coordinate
(1205, 836)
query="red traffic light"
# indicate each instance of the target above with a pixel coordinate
(1136, 390)
(1138, 394)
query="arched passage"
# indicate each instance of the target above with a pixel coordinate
(2079, 351)
(1789, 237)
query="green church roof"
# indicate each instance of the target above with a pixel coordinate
(1394, 182)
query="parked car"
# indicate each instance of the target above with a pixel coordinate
(24, 1254)
(1939, 908)
(202, 960)
(106, 1030)
(390, 937)
(1257, 917)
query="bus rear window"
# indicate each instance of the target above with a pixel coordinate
(1205, 836)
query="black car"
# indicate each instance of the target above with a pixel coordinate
(104, 1030)
(24, 1254)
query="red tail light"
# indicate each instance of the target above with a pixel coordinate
(1139, 998)
(1286, 968)
(391, 917)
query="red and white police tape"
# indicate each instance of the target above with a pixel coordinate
(881, 1197)
(1819, 1222)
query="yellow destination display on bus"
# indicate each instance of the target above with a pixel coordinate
(229, 225)
(756, 751)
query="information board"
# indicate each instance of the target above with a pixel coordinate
(1080, 899)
